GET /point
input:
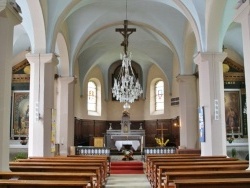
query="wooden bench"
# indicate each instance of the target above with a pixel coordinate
(98, 158)
(62, 169)
(192, 163)
(58, 163)
(42, 183)
(159, 180)
(151, 169)
(177, 157)
(89, 177)
(217, 183)
(85, 161)
(172, 176)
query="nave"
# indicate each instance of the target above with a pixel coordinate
(127, 180)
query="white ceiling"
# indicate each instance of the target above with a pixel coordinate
(165, 30)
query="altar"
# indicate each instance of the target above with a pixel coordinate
(134, 143)
(114, 139)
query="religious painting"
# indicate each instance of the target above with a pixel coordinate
(233, 112)
(20, 113)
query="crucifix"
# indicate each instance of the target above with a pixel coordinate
(125, 33)
(161, 129)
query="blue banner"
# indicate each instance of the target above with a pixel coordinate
(201, 124)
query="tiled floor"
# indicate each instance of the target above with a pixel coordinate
(127, 181)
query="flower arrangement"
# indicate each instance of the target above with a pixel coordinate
(230, 139)
(128, 155)
(161, 142)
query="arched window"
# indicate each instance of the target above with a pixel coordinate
(92, 96)
(159, 95)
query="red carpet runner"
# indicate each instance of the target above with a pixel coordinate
(126, 167)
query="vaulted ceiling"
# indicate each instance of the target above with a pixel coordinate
(167, 32)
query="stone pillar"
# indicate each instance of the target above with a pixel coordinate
(243, 17)
(41, 103)
(211, 90)
(8, 19)
(65, 114)
(188, 111)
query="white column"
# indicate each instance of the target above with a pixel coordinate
(242, 16)
(65, 114)
(41, 103)
(211, 90)
(188, 111)
(8, 19)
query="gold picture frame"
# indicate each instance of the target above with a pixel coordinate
(20, 114)
(233, 112)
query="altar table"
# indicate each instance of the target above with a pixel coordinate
(119, 143)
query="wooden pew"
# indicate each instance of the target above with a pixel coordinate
(172, 176)
(217, 183)
(177, 157)
(62, 169)
(154, 163)
(192, 163)
(99, 158)
(219, 167)
(42, 183)
(103, 172)
(151, 170)
(89, 177)
(84, 161)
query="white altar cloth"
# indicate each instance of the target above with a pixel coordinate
(135, 144)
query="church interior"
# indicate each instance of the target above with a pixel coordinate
(124, 78)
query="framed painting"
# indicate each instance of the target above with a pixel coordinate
(233, 112)
(20, 114)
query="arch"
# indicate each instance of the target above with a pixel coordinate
(34, 24)
(62, 50)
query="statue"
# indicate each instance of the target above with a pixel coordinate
(125, 123)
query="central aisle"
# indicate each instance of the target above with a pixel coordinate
(127, 180)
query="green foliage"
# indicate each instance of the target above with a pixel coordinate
(233, 152)
(21, 156)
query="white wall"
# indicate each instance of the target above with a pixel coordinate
(140, 110)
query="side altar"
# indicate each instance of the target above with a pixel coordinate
(125, 136)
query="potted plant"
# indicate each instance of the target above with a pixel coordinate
(21, 156)
(234, 153)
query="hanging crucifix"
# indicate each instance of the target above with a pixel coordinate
(125, 33)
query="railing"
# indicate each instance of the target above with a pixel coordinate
(91, 150)
(159, 150)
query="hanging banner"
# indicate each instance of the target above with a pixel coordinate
(201, 123)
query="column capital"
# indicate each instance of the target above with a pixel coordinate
(6, 10)
(66, 79)
(42, 58)
(210, 57)
(183, 78)
(242, 12)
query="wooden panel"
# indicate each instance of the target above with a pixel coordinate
(86, 130)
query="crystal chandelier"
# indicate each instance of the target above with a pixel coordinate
(126, 86)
